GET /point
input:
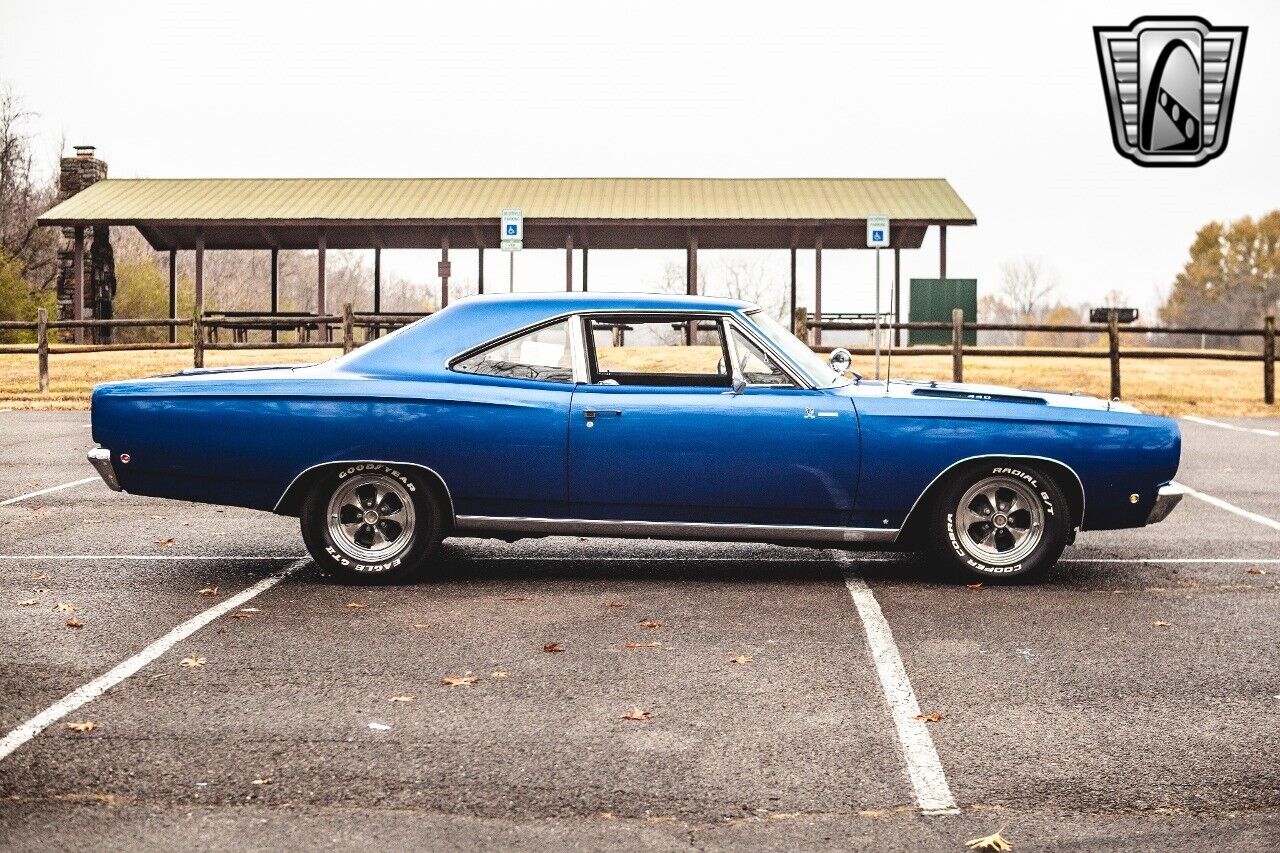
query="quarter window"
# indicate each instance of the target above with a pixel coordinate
(754, 365)
(544, 354)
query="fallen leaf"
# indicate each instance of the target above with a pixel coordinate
(994, 841)
(1161, 624)
(607, 816)
(974, 585)
(553, 648)
(40, 576)
(74, 623)
(637, 714)
(356, 605)
(264, 781)
(209, 591)
(191, 663)
(86, 726)
(931, 717)
(28, 602)
(458, 680)
(64, 607)
(615, 604)
(402, 698)
(499, 673)
(240, 614)
(630, 645)
(742, 659)
(422, 626)
(650, 624)
(1256, 571)
(165, 543)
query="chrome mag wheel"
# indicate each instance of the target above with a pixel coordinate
(371, 517)
(1000, 520)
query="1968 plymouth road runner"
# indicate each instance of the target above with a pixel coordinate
(672, 417)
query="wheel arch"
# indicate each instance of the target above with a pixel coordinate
(1063, 474)
(295, 493)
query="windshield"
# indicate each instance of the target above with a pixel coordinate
(813, 365)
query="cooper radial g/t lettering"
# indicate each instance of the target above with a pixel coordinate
(513, 416)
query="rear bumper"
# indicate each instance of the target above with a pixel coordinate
(1169, 496)
(101, 459)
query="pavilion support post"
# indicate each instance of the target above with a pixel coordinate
(817, 289)
(793, 285)
(173, 294)
(480, 267)
(200, 278)
(197, 335)
(568, 262)
(691, 282)
(584, 269)
(1269, 360)
(942, 251)
(897, 296)
(322, 302)
(77, 288)
(444, 270)
(275, 291)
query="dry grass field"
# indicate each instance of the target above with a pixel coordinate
(1174, 387)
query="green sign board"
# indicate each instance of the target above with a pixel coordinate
(932, 300)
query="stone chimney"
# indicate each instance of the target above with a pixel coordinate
(79, 172)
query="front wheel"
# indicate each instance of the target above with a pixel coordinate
(1000, 520)
(370, 522)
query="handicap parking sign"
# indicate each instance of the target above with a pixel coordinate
(511, 229)
(877, 236)
(877, 232)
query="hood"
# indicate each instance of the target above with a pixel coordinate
(997, 393)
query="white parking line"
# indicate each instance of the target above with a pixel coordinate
(1230, 507)
(1221, 425)
(88, 692)
(48, 490)
(933, 795)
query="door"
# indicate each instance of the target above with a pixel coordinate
(661, 434)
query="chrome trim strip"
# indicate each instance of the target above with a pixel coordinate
(670, 529)
(419, 466)
(1169, 496)
(100, 457)
(945, 471)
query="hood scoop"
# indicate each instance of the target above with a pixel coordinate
(992, 396)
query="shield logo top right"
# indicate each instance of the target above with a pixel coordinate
(1170, 84)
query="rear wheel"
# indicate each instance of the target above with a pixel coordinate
(370, 522)
(1000, 520)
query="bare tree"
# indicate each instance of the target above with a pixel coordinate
(25, 193)
(1027, 286)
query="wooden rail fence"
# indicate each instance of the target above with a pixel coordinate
(373, 324)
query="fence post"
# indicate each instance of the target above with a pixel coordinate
(957, 344)
(42, 347)
(348, 329)
(1113, 341)
(197, 335)
(1269, 361)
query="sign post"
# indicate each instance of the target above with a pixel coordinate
(511, 239)
(877, 238)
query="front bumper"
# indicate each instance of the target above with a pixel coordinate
(101, 459)
(1169, 496)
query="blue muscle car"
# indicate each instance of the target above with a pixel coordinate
(659, 416)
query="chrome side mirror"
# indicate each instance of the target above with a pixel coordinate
(840, 360)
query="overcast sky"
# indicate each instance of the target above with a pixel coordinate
(1005, 101)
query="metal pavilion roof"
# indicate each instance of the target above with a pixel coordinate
(601, 212)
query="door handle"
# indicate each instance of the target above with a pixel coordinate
(592, 414)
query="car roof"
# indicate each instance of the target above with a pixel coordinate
(426, 346)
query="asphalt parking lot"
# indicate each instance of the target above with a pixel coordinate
(1129, 702)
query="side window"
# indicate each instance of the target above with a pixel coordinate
(543, 354)
(756, 367)
(666, 350)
